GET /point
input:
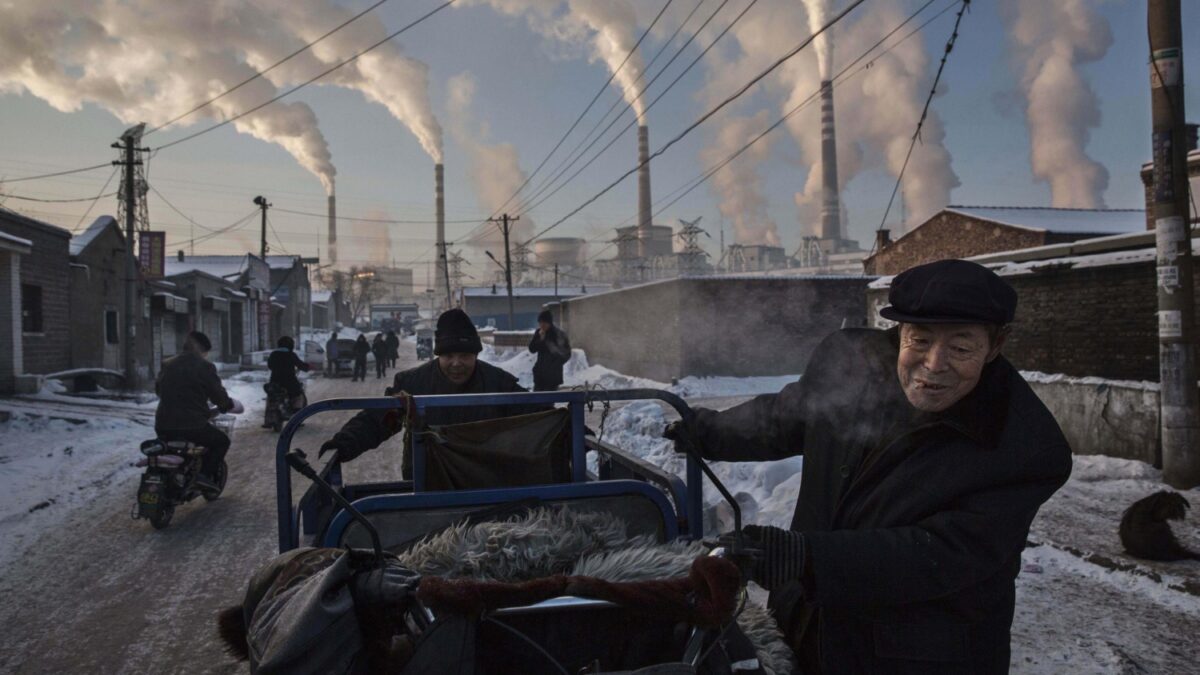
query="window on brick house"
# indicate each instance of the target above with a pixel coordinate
(111, 334)
(31, 308)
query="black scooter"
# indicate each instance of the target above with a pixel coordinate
(170, 477)
(278, 409)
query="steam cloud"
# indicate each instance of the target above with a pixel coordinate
(737, 184)
(876, 111)
(1051, 40)
(610, 27)
(495, 168)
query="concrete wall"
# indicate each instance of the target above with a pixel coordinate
(1117, 419)
(11, 357)
(736, 326)
(47, 267)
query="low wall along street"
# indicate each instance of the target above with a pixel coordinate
(732, 325)
(1103, 417)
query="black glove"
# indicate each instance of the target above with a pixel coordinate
(782, 558)
(331, 445)
(676, 431)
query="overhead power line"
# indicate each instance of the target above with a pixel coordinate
(705, 117)
(577, 154)
(320, 75)
(376, 220)
(842, 75)
(924, 112)
(99, 196)
(56, 201)
(56, 173)
(273, 66)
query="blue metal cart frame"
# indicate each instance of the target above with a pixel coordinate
(686, 494)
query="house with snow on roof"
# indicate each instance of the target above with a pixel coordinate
(966, 231)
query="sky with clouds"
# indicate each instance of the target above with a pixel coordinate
(1040, 104)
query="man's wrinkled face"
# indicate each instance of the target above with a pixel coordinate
(457, 367)
(940, 364)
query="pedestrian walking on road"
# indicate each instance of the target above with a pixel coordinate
(926, 458)
(361, 349)
(393, 345)
(553, 350)
(331, 354)
(380, 349)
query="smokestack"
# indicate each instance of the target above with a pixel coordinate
(439, 196)
(332, 229)
(644, 213)
(831, 217)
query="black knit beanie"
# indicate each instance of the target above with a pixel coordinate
(456, 334)
(546, 317)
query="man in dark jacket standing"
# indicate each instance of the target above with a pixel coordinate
(393, 345)
(553, 350)
(185, 386)
(361, 349)
(926, 458)
(456, 370)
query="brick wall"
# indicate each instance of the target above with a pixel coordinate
(1097, 321)
(93, 291)
(717, 326)
(949, 235)
(46, 266)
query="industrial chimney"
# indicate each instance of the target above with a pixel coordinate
(644, 212)
(831, 218)
(332, 230)
(439, 196)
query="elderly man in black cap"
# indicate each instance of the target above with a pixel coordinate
(456, 370)
(926, 457)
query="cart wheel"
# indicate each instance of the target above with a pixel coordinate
(219, 479)
(162, 516)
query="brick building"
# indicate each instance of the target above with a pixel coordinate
(12, 359)
(966, 231)
(1193, 170)
(291, 293)
(1085, 309)
(98, 296)
(42, 292)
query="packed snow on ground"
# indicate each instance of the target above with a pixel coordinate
(51, 466)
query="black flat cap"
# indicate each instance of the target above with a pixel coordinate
(950, 291)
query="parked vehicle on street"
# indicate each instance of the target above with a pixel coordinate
(170, 477)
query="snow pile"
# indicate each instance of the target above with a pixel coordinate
(1057, 378)
(766, 491)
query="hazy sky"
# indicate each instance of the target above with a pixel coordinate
(506, 78)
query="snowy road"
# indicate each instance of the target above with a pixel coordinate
(101, 593)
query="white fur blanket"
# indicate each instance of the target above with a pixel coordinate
(550, 541)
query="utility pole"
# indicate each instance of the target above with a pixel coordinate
(1180, 400)
(263, 206)
(445, 273)
(128, 145)
(505, 223)
(556, 282)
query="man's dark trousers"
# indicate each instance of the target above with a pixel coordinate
(212, 438)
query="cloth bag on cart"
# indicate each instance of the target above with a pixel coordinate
(313, 626)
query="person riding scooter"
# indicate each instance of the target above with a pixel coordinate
(185, 386)
(283, 364)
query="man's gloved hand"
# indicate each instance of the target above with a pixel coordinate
(332, 445)
(676, 431)
(782, 558)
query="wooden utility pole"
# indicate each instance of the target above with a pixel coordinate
(128, 145)
(263, 206)
(505, 223)
(556, 282)
(1179, 398)
(446, 274)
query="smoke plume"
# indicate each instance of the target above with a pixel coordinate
(818, 15)
(366, 243)
(738, 184)
(876, 110)
(146, 61)
(1050, 41)
(608, 27)
(494, 168)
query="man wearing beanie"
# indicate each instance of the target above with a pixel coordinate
(553, 350)
(926, 457)
(455, 370)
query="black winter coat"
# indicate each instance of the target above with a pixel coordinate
(369, 428)
(185, 385)
(393, 344)
(361, 349)
(913, 523)
(283, 364)
(553, 352)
